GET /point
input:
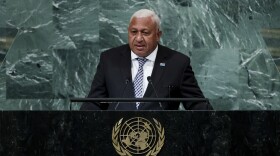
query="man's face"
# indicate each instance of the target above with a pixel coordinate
(143, 36)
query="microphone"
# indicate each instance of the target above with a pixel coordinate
(126, 83)
(150, 81)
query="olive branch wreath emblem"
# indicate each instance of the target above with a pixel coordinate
(123, 152)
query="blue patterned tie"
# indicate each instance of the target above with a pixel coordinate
(138, 80)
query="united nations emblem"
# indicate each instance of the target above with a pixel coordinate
(138, 136)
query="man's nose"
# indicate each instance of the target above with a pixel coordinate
(139, 37)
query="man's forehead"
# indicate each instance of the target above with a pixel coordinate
(139, 27)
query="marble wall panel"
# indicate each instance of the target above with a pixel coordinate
(54, 49)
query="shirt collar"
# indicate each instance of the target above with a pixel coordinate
(151, 57)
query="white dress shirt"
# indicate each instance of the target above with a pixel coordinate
(147, 68)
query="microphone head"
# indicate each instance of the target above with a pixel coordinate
(149, 78)
(126, 80)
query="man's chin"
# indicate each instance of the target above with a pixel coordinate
(140, 53)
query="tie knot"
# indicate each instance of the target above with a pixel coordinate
(141, 61)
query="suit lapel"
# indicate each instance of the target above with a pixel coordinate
(158, 70)
(125, 64)
(125, 69)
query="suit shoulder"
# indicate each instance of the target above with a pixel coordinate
(116, 50)
(174, 53)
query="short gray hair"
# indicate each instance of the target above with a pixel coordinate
(147, 13)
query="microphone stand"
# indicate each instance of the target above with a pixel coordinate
(150, 81)
(126, 83)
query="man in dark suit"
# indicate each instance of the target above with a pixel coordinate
(123, 72)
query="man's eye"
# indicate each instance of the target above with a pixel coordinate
(133, 32)
(145, 33)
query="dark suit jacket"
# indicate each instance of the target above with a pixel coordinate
(172, 76)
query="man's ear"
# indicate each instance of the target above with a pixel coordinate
(159, 33)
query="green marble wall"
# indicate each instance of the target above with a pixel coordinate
(49, 49)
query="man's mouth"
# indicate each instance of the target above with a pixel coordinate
(140, 47)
